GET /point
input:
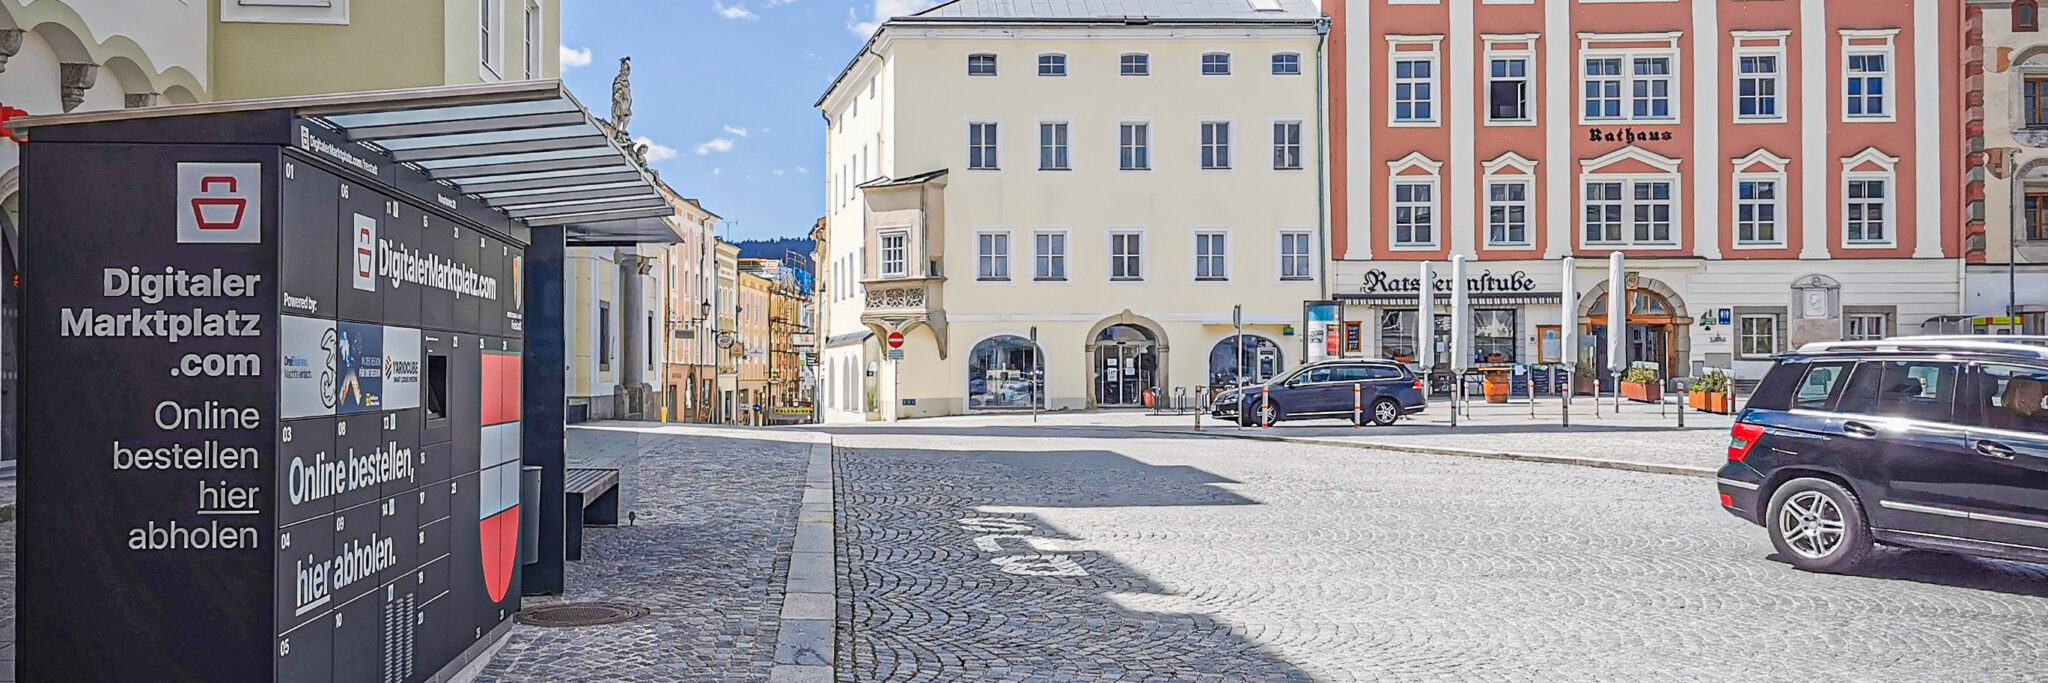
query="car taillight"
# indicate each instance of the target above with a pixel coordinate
(1727, 501)
(1418, 385)
(1743, 438)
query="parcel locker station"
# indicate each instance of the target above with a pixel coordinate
(284, 361)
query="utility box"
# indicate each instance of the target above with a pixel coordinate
(272, 416)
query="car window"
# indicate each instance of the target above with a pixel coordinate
(1912, 389)
(2009, 397)
(1820, 384)
(1314, 375)
(1383, 372)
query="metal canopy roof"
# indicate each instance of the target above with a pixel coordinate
(527, 149)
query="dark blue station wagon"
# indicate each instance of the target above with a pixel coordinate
(1387, 391)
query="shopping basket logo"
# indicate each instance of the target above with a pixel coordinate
(220, 203)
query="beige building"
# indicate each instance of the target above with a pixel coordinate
(1115, 186)
(2012, 71)
(270, 49)
(752, 348)
(727, 309)
(692, 268)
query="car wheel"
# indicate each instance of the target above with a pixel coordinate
(1267, 414)
(1384, 412)
(1818, 526)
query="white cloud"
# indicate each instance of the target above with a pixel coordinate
(715, 145)
(655, 150)
(884, 10)
(572, 57)
(777, 3)
(803, 170)
(736, 11)
(741, 132)
(717, 171)
(777, 172)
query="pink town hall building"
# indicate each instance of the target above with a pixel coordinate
(1777, 171)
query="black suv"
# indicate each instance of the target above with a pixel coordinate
(1935, 444)
(1386, 391)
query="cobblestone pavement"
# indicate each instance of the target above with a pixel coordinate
(1230, 560)
(716, 517)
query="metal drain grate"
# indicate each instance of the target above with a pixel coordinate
(580, 614)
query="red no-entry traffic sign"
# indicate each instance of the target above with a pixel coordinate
(895, 340)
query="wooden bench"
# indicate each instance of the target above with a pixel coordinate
(593, 498)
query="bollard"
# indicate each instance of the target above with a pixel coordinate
(1265, 407)
(1681, 405)
(1564, 398)
(1357, 404)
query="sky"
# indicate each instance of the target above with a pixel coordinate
(723, 91)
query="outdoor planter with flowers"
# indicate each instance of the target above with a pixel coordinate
(1639, 384)
(1710, 394)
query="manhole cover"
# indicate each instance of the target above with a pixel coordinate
(580, 614)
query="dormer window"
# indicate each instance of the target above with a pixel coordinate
(981, 64)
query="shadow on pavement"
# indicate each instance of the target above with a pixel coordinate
(1946, 569)
(1345, 429)
(939, 591)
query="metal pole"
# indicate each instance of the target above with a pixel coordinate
(1357, 409)
(1568, 335)
(1031, 378)
(1681, 405)
(2012, 256)
(1265, 407)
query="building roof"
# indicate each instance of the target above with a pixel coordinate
(1084, 12)
(1176, 10)
(886, 181)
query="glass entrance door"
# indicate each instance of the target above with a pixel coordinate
(1123, 371)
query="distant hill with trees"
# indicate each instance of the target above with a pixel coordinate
(774, 248)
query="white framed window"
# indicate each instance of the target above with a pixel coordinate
(1134, 64)
(1628, 86)
(1507, 213)
(1286, 145)
(1866, 209)
(334, 12)
(1865, 326)
(1507, 90)
(1759, 86)
(533, 39)
(1604, 209)
(1414, 90)
(1414, 213)
(1134, 146)
(1297, 255)
(1759, 210)
(982, 145)
(1049, 256)
(1867, 87)
(981, 64)
(1052, 65)
(490, 35)
(1216, 145)
(1653, 208)
(895, 254)
(1286, 63)
(1126, 255)
(1630, 212)
(1212, 256)
(1216, 64)
(1052, 146)
(992, 256)
(1757, 335)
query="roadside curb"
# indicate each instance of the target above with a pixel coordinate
(1602, 463)
(804, 644)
